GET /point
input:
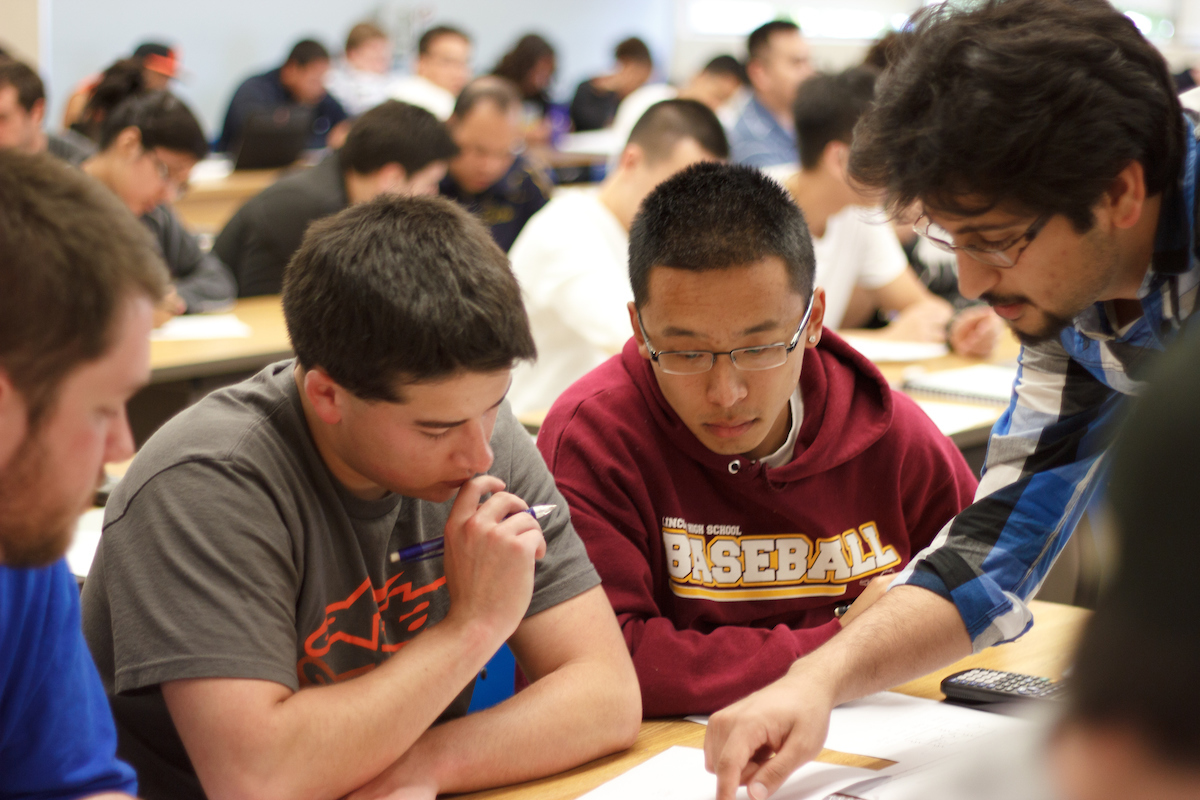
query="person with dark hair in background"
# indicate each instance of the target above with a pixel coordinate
(361, 78)
(148, 146)
(23, 112)
(155, 65)
(443, 68)
(1075, 220)
(571, 259)
(596, 100)
(298, 84)
(269, 512)
(394, 148)
(80, 280)
(777, 62)
(860, 264)
(530, 67)
(489, 176)
(122, 80)
(737, 473)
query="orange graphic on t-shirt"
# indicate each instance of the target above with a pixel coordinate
(340, 620)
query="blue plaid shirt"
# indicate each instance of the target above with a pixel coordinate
(758, 140)
(1046, 456)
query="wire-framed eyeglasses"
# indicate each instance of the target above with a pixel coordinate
(997, 255)
(751, 359)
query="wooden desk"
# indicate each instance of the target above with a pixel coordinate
(1044, 651)
(203, 358)
(208, 205)
(181, 372)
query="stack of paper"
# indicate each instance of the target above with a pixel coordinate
(201, 326)
(886, 351)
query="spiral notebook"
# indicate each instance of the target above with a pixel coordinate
(982, 383)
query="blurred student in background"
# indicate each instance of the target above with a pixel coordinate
(443, 68)
(360, 79)
(530, 66)
(23, 112)
(596, 99)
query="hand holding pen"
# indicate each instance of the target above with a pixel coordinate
(437, 547)
(490, 551)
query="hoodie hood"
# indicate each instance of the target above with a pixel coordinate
(847, 408)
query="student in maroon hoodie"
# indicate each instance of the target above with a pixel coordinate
(732, 501)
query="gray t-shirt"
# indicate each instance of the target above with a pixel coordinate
(229, 550)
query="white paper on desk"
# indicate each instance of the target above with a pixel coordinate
(952, 418)
(201, 326)
(884, 351)
(82, 551)
(678, 773)
(211, 170)
(912, 731)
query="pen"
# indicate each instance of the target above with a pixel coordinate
(436, 547)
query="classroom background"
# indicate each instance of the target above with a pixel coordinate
(221, 42)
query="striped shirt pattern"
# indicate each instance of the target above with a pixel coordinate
(1046, 456)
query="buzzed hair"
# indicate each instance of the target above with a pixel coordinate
(70, 254)
(714, 216)
(633, 49)
(22, 77)
(490, 88)
(760, 37)
(403, 290)
(436, 32)
(306, 51)
(727, 65)
(667, 123)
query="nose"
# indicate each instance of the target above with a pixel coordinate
(975, 278)
(475, 448)
(725, 385)
(119, 446)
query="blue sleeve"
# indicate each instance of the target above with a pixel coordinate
(57, 738)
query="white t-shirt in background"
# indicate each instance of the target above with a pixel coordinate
(859, 248)
(418, 91)
(571, 261)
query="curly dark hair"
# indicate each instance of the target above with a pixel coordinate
(1037, 104)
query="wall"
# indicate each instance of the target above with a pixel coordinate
(223, 41)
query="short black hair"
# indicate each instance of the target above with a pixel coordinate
(24, 79)
(162, 118)
(726, 64)
(70, 252)
(633, 49)
(489, 88)
(396, 133)
(403, 290)
(827, 108)
(436, 32)
(1136, 664)
(1037, 104)
(760, 38)
(306, 51)
(716, 216)
(668, 122)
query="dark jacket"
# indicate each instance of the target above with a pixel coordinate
(267, 92)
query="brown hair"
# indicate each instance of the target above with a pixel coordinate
(403, 290)
(362, 33)
(70, 253)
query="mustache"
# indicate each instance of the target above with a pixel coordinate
(993, 299)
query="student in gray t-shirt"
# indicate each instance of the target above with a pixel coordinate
(253, 634)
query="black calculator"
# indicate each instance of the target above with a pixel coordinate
(994, 686)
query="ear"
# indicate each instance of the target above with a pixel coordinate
(816, 321)
(326, 397)
(637, 331)
(632, 157)
(1125, 199)
(392, 178)
(754, 72)
(38, 112)
(14, 419)
(836, 157)
(129, 143)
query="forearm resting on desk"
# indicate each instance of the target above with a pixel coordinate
(907, 633)
(583, 703)
(258, 739)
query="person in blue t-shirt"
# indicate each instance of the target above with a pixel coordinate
(81, 279)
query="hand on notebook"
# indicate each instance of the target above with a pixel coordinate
(757, 742)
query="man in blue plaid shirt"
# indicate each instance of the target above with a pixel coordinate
(1044, 144)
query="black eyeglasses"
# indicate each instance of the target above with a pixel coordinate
(751, 359)
(993, 255)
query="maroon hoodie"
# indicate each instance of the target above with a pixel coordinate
(723, 571)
